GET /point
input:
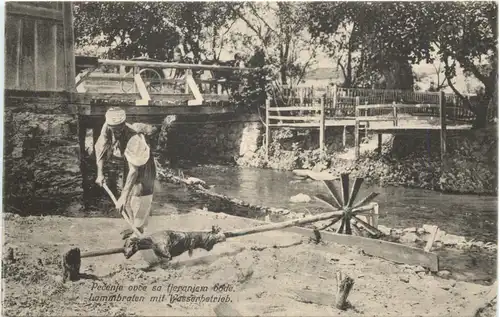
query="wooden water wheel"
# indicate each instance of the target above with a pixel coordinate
(343, 200)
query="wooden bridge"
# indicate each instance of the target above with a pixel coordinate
(378, 111)
(161, 86)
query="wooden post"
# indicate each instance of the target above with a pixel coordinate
(344, 286)
(322, 124)
(356, 133)
(69, 57)
(186, 87)
(82, 133)
(442, 114)
(395, 114)
(379, 143)
(268, 128)
(431, 239)
(344, 136)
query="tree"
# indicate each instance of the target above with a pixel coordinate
(278, 30)
(132, 29)
(466, 33)
(400, 33)
(378, 39)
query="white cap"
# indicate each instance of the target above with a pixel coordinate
(115, 116)
(137, 150)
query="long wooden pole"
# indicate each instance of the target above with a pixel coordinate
(285, 224)
(240, 232)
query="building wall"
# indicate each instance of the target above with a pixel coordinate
(39, 46)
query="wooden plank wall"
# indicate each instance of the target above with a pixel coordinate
(39, 42)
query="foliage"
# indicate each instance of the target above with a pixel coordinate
(131, 29)
(365, 37)
(278, 30)
(368, 38)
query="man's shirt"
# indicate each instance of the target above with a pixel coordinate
(108, 146)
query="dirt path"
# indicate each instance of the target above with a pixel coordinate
(265, 281)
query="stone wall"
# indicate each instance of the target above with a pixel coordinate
(41, 157)
(222, 138)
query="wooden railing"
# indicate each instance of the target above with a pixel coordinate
(149, 78)
(342, 102)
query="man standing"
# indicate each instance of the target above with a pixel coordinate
(121, 140)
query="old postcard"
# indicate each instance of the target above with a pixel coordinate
(250, 158)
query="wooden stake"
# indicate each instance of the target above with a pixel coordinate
(344, 286)
(432, 238)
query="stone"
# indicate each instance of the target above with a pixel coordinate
(404, 279)
(300, 198)
(385, 230)
(479, 244)
(398, 232)
(440, 235)
(412, 230)
(420, 231)
(409, 237)
(428, 228)
(444, 274)
(451, 239)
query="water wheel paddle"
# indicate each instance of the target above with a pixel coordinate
(344, 200)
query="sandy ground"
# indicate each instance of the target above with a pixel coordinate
(265, 281)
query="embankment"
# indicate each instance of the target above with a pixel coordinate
(406, 160)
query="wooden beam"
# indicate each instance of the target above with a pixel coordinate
(395, 252)
(141, 87)
(399, 105)
(272, 109)
(69, 57)
(152, 110)
(391, 251)
(169, 65)
(298, 118)
(198, 98)
(31, 11)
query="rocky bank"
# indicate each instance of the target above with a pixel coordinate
(411, 161)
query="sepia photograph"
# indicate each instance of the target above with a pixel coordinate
(258, 158)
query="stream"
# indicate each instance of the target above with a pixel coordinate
(474, 217)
